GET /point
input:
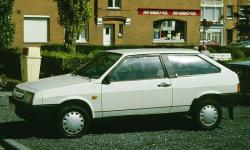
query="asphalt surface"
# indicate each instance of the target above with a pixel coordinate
(158, 132)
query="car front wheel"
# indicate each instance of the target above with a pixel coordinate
(73, 121)
(207, 114)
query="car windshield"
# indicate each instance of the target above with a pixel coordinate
(98, 65)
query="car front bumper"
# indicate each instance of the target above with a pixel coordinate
(28, 111)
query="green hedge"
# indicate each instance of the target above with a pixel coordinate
(10, 63)
(56, 63)
(85, 49)
(237, 52)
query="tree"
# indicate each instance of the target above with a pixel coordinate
(243, 24)
(7, 27)
(73, 15)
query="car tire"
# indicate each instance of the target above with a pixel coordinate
(73, 121)
(207, 114)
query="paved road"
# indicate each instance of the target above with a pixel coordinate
(7, 115)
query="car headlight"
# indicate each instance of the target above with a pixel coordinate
(23, 96)
(28, 97)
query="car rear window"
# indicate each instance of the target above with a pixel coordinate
(184, 65)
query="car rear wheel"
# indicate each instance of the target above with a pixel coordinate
(73, 121)
(207, 114)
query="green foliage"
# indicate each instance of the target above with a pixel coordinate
(55, 63)
(7, 27)
(236, 54)
(73, 15)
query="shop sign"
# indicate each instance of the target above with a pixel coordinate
(168, 12)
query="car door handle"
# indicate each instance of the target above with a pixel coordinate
(163, 84)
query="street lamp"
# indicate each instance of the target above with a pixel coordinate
(204, 24)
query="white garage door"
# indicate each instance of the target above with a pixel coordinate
(36, 29)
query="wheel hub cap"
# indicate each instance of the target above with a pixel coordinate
(73, 122)
(209, 115)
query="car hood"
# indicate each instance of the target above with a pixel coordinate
(55, 82)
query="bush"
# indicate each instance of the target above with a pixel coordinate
(236, 54)
(7, 27)
(246, 51)
(56, 63)
(10, 63)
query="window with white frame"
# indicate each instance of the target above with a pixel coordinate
(116, 4)
(212, 37)
(36, 29)
(169, 31)
(211, 13)
(242, 12)
(83, 37)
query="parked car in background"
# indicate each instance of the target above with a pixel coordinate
(242, 68)
(131, 82)
(242, 44)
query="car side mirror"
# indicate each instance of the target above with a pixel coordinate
(106, 80)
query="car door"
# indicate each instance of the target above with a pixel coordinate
(191, 76)
(138, 85)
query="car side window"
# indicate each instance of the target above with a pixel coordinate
(191, 65)
(138, 68)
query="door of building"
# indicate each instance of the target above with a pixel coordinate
(229, 36)
(108, 34)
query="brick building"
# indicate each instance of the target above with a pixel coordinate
(221, 15)
(114, 22)
(243, 4)
(36, 23)
(129, 22)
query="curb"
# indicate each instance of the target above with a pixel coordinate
(12, 144)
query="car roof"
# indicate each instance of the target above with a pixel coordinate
(153, 51)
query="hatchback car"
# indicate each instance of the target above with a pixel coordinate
(130, 82)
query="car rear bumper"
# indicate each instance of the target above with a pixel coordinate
(231, 99)
(28, 111)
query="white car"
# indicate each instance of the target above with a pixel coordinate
(130, 82)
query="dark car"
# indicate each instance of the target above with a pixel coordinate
(242, 68)
(245, 44)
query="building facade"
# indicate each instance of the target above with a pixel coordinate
(36, 23)
(242, 5)
(114, 22)
(221, 16)
(146, 22)
(129, 22)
